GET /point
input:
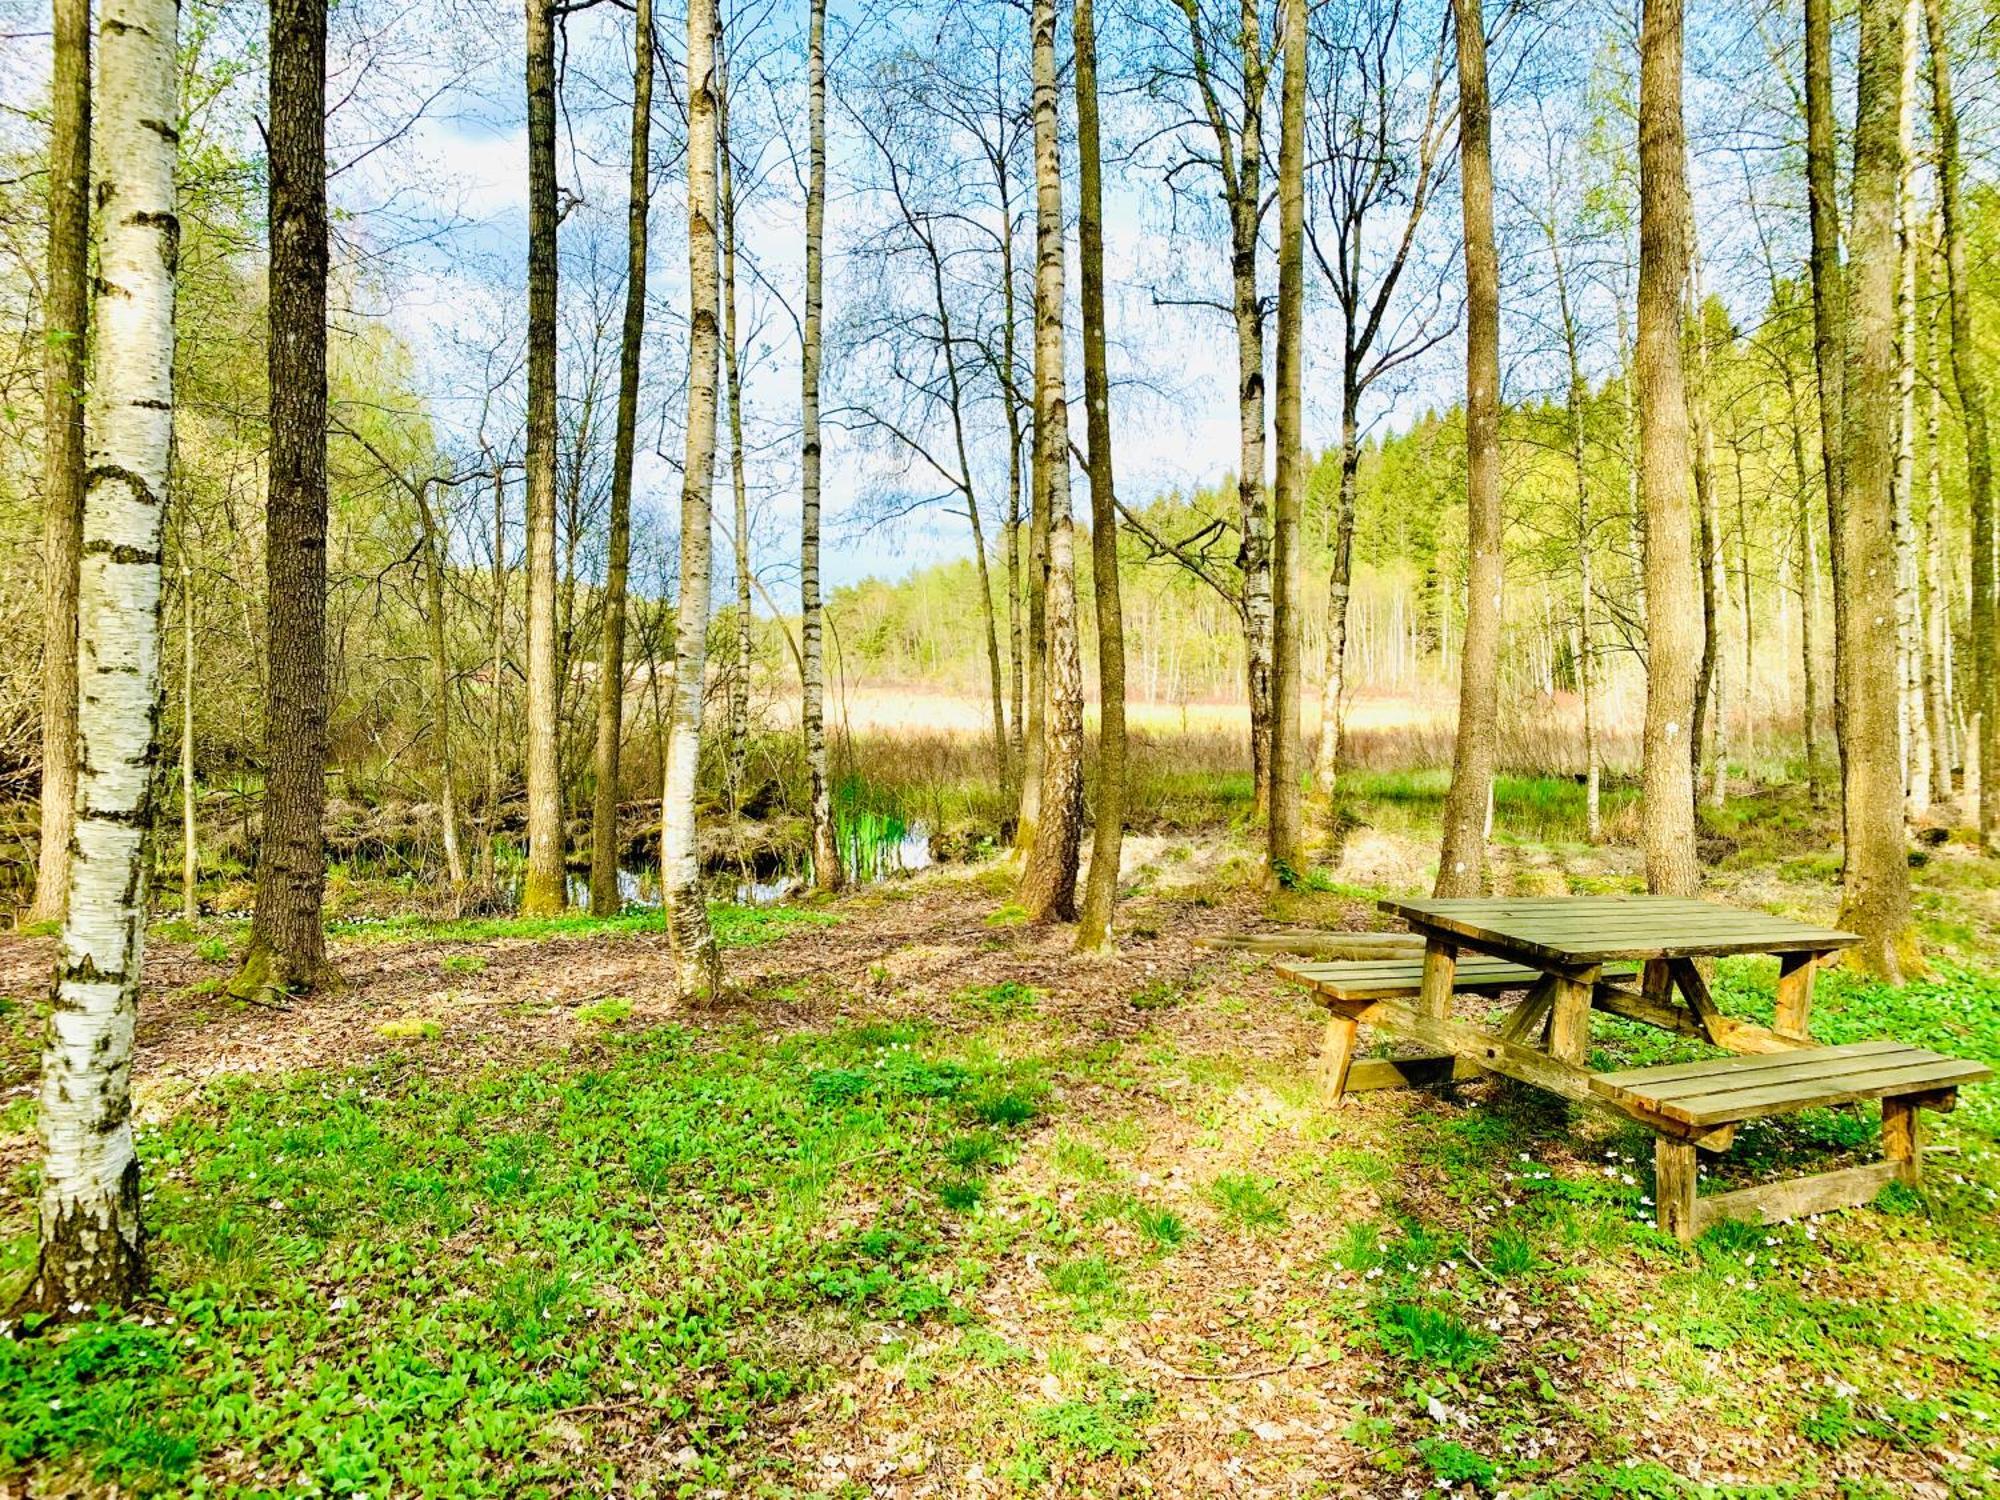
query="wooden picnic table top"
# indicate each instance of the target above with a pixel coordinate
(1577, 931)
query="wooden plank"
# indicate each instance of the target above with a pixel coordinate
(1569, 1018)
(1560, 929)
(1807, 1065)
(1530, 1012)
(1479, 1046)
(1409, 1072)
(1674, 1187)
(1903, 1138)
(1774, 1202)
(1694, 990)
(1795, 992)
(1618, 1001)
(1319, 944)
(1642, 1079)
(1440, 974)
(1745, 1036)
(1337, 1055)
(1785, 1098)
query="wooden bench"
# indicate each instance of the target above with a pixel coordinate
(1700, 1104)
(1361, 981)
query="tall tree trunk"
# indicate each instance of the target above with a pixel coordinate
(488, 856)
(1707, 744)
(1016, 562)
(1093, 931)
(436, 550)
(604, 898)
(1048, 879)
(544, 890)
(1285, 850)
(697, 961)
(1340, 578)
(287, 948)
(1462, 855)
(1246, 206)
(65, 324)
(825, 847)
(190, 848)
(1971, 385)
(1934, 605)
(1576, 396)
(1673, 645)
(1875, 885)
(1829, 294)
(92, 1250)
(738, 754)
(1912, 728)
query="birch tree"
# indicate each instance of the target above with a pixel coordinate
(1048, 880)
(1284, 850)
(697, 962)
(812, 714)
(1673, 617)
(65, 322)
(91, 1245)
(1462, 855)
(287, 948)
(604, 898)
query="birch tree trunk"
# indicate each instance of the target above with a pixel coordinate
(1912, 728)
(92, 1249)
(544, 890)
(1048, 880)
(1577, 395)
(1093, 933)
(1673, 644)
(739, 678)
(1246, 206)
(697, 962)
(65, 329)
(827, 874)
(287, 948)
(1970, 382)
(1875, 884)
(1284, 849)
(604, 898)
(1462, 854)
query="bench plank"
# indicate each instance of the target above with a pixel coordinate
(1730, 1089)
(1361, 979)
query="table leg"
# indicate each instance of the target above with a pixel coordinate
(1902, 1139)
(1337, 1055)
(1440, 974)
(1795, 992)
(1569, 1015)
(1674, 1184)
(1657, 982)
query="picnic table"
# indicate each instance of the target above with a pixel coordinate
(1635, 957)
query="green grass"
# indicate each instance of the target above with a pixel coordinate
(393, 1280)
(735, 926)
(1247, 1202)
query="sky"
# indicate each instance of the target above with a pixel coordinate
(428, 140)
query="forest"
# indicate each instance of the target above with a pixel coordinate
(999, 747)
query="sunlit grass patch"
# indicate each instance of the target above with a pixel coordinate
(1247, 1202)
(735, 926)
(640, 1233)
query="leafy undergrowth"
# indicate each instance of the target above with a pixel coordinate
(735, 926)
(389, 1282)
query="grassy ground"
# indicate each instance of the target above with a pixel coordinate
(933, 1207)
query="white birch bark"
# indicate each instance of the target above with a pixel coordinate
(697, 964)
(92, 1250)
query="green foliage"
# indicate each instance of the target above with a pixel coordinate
(735, 926)
(603, 1013)
(462, 963)
(410, 1029)
(1009, 1000)
(643, 1233)
(1247, 1201)
(1455, 1464)
(1430, 1334)
(1103, 1428)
